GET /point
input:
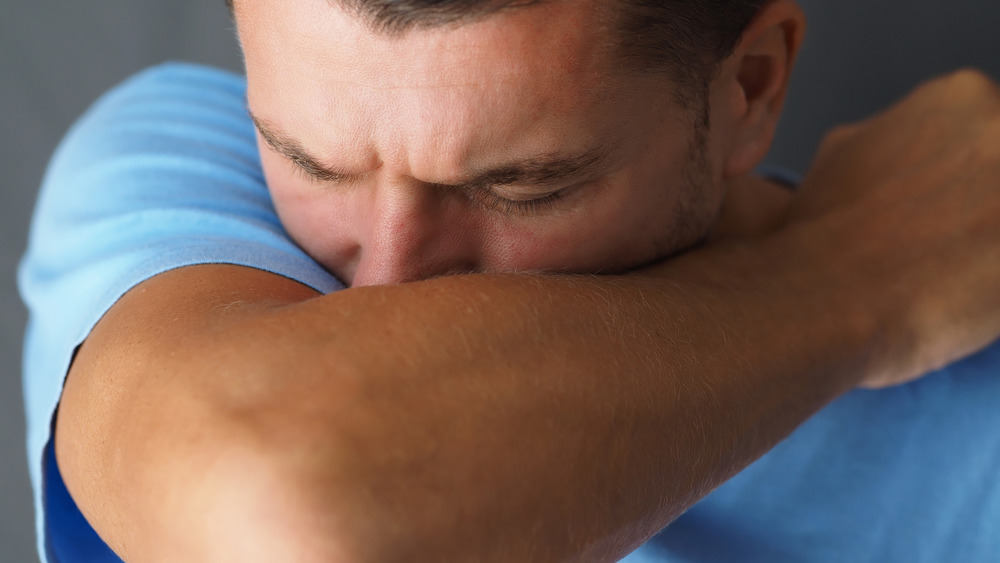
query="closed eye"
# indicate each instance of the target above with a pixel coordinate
(494, 202)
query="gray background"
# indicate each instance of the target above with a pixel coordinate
(56, 57)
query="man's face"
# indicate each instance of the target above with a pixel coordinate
(512, 143)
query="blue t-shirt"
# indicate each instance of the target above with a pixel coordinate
(164, 172)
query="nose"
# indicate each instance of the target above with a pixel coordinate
(413, 233)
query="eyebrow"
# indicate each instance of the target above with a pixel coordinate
(546, 170)
(293, 151)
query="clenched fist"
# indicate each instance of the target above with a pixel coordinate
(909, 201)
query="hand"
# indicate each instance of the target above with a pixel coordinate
(911, 197)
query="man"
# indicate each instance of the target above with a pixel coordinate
(227, 413)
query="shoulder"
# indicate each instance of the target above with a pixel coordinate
(177, 84)
(171, 94)
(160, 173)
(186, 112)
(163, 171)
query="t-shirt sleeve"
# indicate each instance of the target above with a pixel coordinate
(162, 172)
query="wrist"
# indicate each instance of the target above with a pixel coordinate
(853, 284)
(798, 287)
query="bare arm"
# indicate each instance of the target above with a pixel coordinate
(530, 418)
(502, 418)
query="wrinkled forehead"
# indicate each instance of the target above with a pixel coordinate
(521, 77)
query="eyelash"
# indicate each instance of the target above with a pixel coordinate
(303, 172)
(492, 202)
(485, 197)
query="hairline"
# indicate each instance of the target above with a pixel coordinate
(690, 85)
(397, 27)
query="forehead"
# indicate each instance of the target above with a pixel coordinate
(521, 78)
(570, 34)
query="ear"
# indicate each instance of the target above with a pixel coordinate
(754, 83)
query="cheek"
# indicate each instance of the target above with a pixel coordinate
(317, 219)
(607, 232)
(636, 217)
(664, 200)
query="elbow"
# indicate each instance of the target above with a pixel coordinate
(276, 485)
(250, 508)
(264, 490)
(203, 481)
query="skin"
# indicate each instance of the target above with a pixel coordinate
(262, 422)
(409, 121)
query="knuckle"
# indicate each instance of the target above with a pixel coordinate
(972, 84)
(838, 136)
(966, 91)
(970, 76)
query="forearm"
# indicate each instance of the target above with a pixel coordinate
(554, 424)
(465, 418)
